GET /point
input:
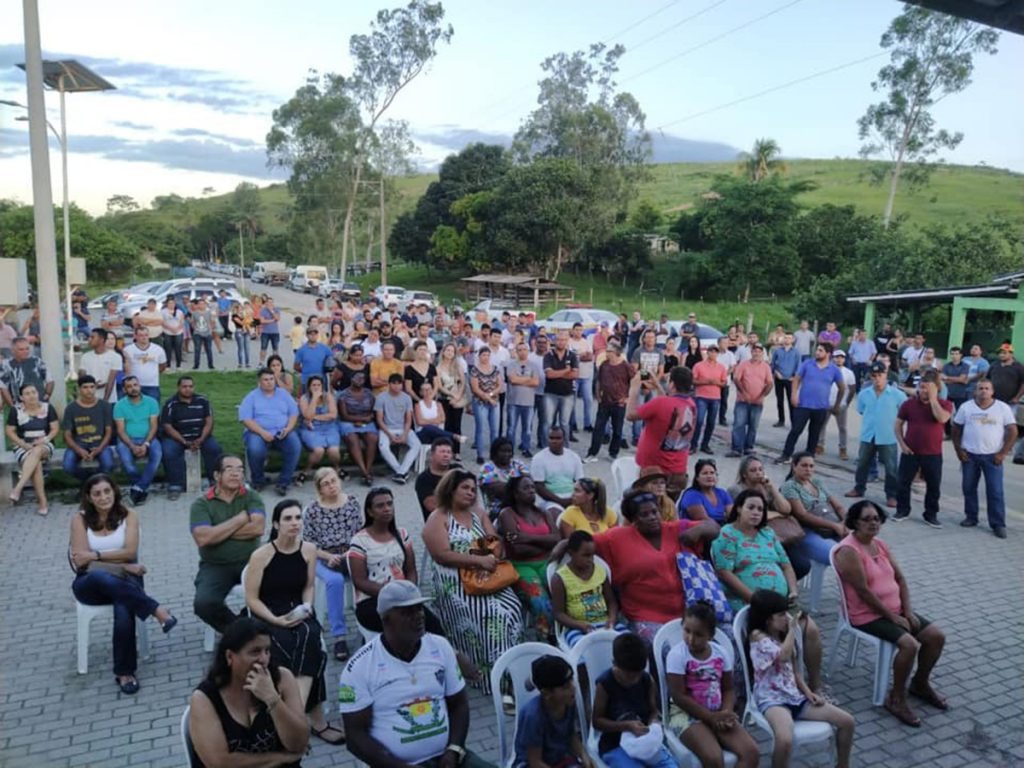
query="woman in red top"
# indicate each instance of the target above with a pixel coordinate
(878, 602)
(642, 559)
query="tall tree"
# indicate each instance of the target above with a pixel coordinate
(932, 58)
(762, 161)
(401, 43)
(121, 204)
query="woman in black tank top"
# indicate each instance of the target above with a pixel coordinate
(246, 704)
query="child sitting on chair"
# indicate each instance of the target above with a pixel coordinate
(547, 728)
(581, 597)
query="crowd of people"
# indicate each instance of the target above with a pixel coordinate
(383, 383)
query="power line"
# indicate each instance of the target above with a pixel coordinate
(773, 89)
(711, 40)
(636, 24)
(679, 23)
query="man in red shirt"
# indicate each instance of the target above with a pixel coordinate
(668, 423)
(753, 380)
(920, 428)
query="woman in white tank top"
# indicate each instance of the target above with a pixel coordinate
(429, 418)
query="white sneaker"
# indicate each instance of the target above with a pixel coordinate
(590, 460)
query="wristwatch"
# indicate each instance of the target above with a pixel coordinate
(460, 752)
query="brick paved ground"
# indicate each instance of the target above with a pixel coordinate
(965, 580)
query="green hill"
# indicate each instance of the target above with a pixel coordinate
(956, 194)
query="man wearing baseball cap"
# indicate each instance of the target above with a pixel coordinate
(402, 697)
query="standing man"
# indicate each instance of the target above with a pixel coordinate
(102, 364)
(88, 430)
(984, 431)
(862, 354)
(878, 406)
(561, 369)
(636, 330)
(227, 523)
(912, 355)
(839, 406)
(613, 377)
(810, 398)
(978, 368)
(224, 312)
(803, 340)
(270, 415)
(955, 375)
(8, 332)
(24, 368)
(668, 425)
(785, 363)
(541, 345)
(1007, 378)
(728, 359)
(500, 357)
(585, 383)
(146, 361)
(650, 362)
(830, 335)
(753, 380)
(203, 333)
(524, 376)
(439, 461)
(393, 409)
(920, 424)
(709, 379)
(270, 328)
(688, 329)
(311, 357)
(555, 471)
(136, 419)
(187, 422)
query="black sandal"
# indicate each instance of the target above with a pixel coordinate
(341, 650)
(321, 734)
(129, 687)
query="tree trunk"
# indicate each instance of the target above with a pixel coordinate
(348, 216)
(894, 182)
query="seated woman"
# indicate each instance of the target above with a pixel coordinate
(31, 428)
(279, 583)
(878, 602)
(704, 499)
(356, 424)
(481, 626)
(642, 558)
(284, 379)
(318, 428)
(589, 510)
(751, 476)
(582, 598)
(104, 551)
(653, 479)
(352, 363)
(530, 534)
(818, 511)
(428, 417)
(246, 685)
(495, 473)
(330, 522)
(748, 557)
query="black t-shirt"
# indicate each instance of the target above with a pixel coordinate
(87, 424)
(426, 483)
(1006, 380)
(552, 361)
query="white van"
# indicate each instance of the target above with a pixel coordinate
(306, 278)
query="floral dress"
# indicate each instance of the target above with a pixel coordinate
(774, 681)
(481, 626)
(492, 473)
(332, 528)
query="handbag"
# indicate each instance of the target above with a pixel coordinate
(787, 530)
(700, 582)
(476, 581)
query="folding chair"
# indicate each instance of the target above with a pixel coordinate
(594, 653)
(552, 567)
(624, 472)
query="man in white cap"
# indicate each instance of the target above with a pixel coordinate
(402, 696)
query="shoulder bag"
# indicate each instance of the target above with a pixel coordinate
(476, 581)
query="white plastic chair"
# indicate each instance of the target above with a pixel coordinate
(624, 472)
(86, 613)
(669, 636)
(350, 597)
(884, 650)
(515, 662)
(804, 731)
(593, 652)
(552, 567)
(237, 593)
(815, 581)
(186, 738)
(421, 459)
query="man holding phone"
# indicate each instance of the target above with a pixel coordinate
(920, 429)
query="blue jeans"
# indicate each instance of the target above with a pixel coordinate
(540, 406)
(153, 392)
(930, 468)
(431, 432)
(522, 415)
(746, 417)
(888, 455)
(174, 461)
(646, 396)
(200, 342)
(155, 453)
(618, 758)
(72, 460)
(979, 464)
(129, 601)
(256, 454)
(334, 586)
(707, 417)
(484, 412)
(269, 340)
(242, 347)
(812, 547)
(584, 392)
(559, 409)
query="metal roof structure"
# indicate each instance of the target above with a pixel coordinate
(70, 76)
(1002, 14)
(925, 295)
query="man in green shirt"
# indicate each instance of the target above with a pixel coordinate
(136, 417)
(226, 522)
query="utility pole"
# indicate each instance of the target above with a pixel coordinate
(383, 239)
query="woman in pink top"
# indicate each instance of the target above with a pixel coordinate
(642, 559)
(878, 601)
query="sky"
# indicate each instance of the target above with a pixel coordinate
(197, 82)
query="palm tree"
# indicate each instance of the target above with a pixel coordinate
(763, 161)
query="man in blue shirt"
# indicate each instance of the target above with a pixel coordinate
(955, 375)
(811, 387)
(878, 406)
(224, 312)
(785, 362)
(311, 357)
(136, 420)
(270, 416)
(862, 354)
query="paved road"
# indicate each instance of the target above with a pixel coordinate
(965, 580)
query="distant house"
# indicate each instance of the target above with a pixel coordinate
(661, 244)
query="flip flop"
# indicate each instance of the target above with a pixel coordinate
(903, 713)
(321, 734)
(42, 511)
(929, 696)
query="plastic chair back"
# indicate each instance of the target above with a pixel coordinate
(624, 472)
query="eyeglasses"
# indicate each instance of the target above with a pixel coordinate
(233, 469)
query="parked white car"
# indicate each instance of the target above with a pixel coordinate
(707, 334)
(565, 319)
(386, 294)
